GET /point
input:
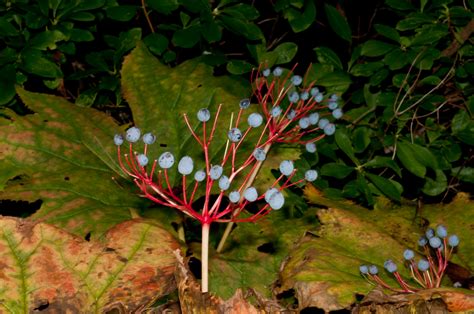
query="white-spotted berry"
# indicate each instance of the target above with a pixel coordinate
(255, 120)
(166, 160)
(133, 134)
(118, 139)
(203, 115)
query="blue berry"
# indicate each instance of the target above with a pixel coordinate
(429, 233)
(422, 241)
(286, 167)
(453, 240)
(364, 269)
(266, 72)
(314, 91)
(259, 154)
(441, 231)
(276, 112)
(166, 160)
(423, 265)
(133, 134)
(319, 97)
(332, 105)
(294, 96)
(142, 160)
(185, 165)
(408, 254)
(390, 266)
(304, 122)
(204, 115)
(250, 194)
(311, 147)
(322, 123)
(334, 97)
(311, 175)
(373, 270)
(215, 172)
(244, 103)
(329, 129)
(277, 71)
(234, 135)
(304, 95)
(255, 120)
(118, 139)
(148, 138)
(296, 80)
(337, 114)
(314, 118)
(435, 242)
(200, 175)
(291, 115)
(224, 183)
(234, 196)
(274, 198)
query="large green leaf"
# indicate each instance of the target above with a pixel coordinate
(47, 268)
(63, 155)
(159, 96)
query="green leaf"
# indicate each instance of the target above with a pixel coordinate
(163, 6)
(248, 30)
(383, 162)
(46, 39)
(157, 43)
(435, 186)
(403, 5)
(285, 52)
(338, 23)
(376, 48)
(465, 174)
(344, 143)
(74, 274)
(6, 28)
(336, 170)
(462, 127)
(413, 21)
(430, 34)
(7, 83)
(82, 16)
(366, 69)
(242, 11)
(80, 35)
(238, 67)
(327, 56)
(187, 37)
(396, 59)
(33, 62)
(415, 158)
(211, 31)
(300, 21)
(387, 32)
(123, 13)
(385, 186)
(361, 139)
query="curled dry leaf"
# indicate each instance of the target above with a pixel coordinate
(439, 300)
(43, 267)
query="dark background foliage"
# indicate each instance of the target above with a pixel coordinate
(402, 68)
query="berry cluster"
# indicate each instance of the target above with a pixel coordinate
(152, 177)
(295, 109)
(428, 272)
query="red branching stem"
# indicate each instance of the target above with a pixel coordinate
(379, 280)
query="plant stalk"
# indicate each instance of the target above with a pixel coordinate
(230, 224)
(205, 257)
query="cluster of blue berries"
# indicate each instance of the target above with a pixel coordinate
(166, 160)
(428, 271)
(304, 100)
